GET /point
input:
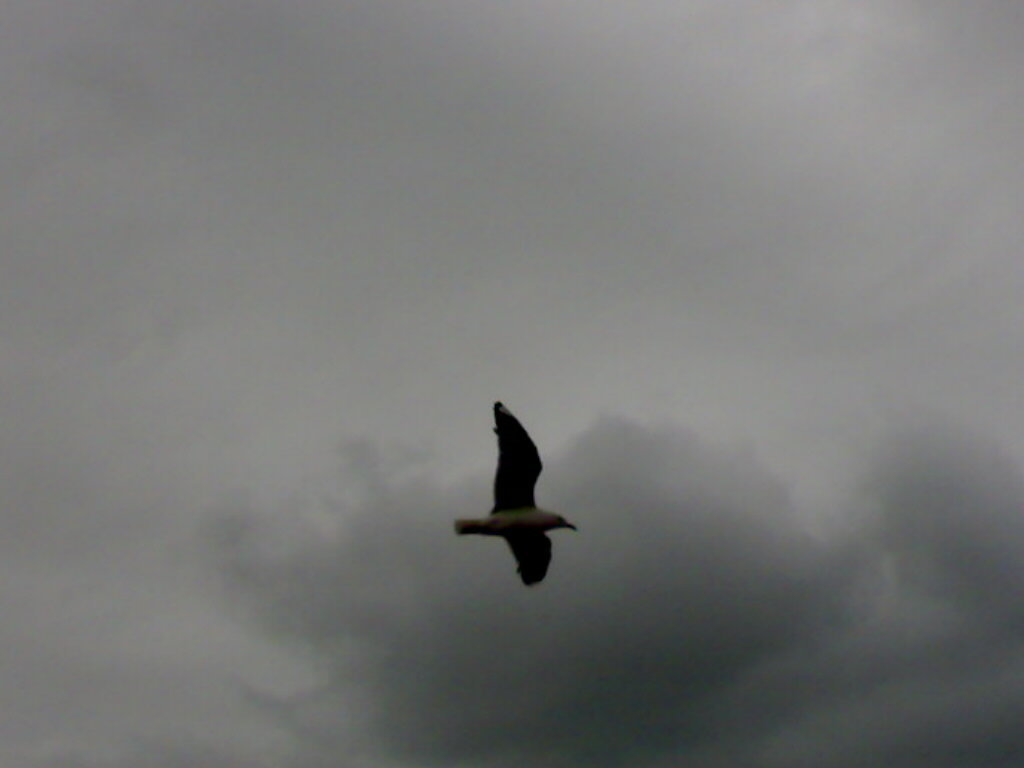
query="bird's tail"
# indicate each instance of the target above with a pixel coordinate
(468, 526)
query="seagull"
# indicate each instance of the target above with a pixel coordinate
(515, 515)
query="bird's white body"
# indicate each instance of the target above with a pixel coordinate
(508, 520)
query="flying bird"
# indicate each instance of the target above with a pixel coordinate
(516, 516)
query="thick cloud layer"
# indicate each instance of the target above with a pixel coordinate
(950, 515)
(692, 618)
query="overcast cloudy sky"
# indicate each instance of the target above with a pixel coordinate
(750, 272)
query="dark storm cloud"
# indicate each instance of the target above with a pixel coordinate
(689, 573)
(930, 671)
(691, 619)
(951, 513)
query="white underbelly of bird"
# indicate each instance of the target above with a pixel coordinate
(500, 523)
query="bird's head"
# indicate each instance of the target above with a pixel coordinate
(563, 523)
(543, 519)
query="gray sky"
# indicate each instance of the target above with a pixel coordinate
(749, 272)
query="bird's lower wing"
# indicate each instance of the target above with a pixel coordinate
(532, 550)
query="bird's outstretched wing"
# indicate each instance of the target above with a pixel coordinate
(518, 463)
(532, 550)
